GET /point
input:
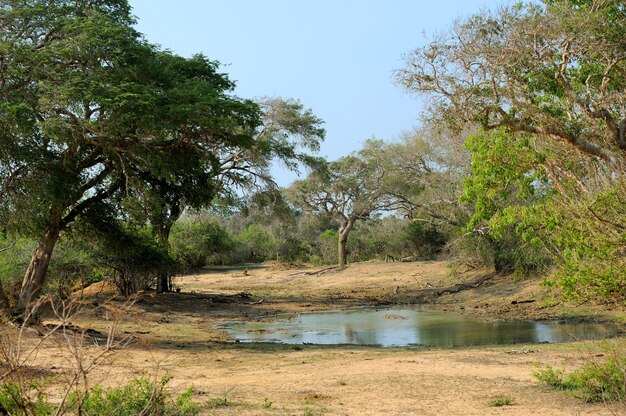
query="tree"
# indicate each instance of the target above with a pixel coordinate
(557, 72)
(287, 133)
(547, 85)
(93, 115)
(425, 173)
(349, 189)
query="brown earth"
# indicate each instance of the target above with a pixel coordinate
(176, 334)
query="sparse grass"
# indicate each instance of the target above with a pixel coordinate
(224, 402)
(309, 411)
(183, 330)
(218, 402)
(499, 401)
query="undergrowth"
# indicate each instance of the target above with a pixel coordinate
(140, 396)
(597, 381)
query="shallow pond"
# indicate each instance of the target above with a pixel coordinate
(402, 327)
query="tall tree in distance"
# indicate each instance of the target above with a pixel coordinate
(287, 133)
(348, 190)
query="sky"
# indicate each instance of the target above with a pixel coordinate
(336, 56)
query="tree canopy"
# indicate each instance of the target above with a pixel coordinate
(557, 71)
(92, 114)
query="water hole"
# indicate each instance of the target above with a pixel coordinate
(405, 327)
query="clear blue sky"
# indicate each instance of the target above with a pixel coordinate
(335, 56)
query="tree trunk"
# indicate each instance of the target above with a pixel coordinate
(35, 276)
(342, 255)
(4, 301)
(164, 275)
(342, 240)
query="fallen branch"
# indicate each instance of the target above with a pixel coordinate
(464, 286)
(517, 302)
(314, 273)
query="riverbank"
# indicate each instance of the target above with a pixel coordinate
(176, 334)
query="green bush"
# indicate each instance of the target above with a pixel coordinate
(425, 239)
(194, 243)
(594, 382)
(140, 396)
(20, 400)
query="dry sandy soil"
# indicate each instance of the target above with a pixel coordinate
(176, 334)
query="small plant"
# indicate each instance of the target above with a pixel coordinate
(185, 404)
(267, 404)
(342, 382)
(594, 382)
(17, 398)
(499, 401)
(217, 402)
(552, 378)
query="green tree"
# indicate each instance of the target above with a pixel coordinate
(349, 189)
(287, 133)
(92, 115)
(547, 86)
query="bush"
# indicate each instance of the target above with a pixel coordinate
(425, 239)
(594, 382)
(195, 243)
(140, 396)
(18, 400)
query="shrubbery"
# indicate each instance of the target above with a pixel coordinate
(139, 396)
(602, 381)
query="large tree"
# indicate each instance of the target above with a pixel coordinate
(91, 114)
(556, 71)
(547, 84)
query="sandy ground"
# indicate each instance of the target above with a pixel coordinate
(175, 334)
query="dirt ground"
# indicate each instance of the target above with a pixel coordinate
(176, 334)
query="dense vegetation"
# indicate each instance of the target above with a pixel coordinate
(122, 160)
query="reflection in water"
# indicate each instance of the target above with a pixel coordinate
(409, 327)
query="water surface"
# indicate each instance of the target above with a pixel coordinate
(402, 327)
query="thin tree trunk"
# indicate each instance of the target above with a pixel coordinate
(164, 283)
(172, 213)
(35, 276)
(341, 254)
(342, 240)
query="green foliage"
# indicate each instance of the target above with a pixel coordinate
(503, 172)
(552, 378)
(24, 400)
(93, 115)
(14, 261)
(499, 401)
(258, 241)
(586, 247)
(505, 178)
(425, 239)
(595, 382)
(140, 396)
(193, 243)
(123, 251)
(547, 174)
